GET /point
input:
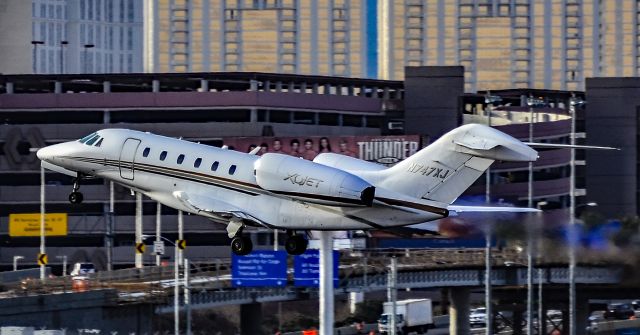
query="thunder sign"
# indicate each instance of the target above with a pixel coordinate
(386, 150)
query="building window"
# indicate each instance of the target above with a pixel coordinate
(180, 159)
(214, 166)
(146, 151)
(197, 163)
(232, 169)
(163, 155)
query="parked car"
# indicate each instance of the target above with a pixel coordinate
(83, 269)
(619, 311)
(478, 317)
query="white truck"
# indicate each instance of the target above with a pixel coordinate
(412, 315)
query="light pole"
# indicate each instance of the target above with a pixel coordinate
(573, 102)
(489, 100)
(176, 286)
(15, 262)
(532, 103)
(539, 206)
(35, 55)
(42, 223)
(62, 44)
(86, 58)
(64, 264)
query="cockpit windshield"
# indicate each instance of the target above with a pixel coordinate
(88, 137)
(91, 139)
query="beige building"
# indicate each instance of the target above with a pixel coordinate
(286, 36)
(544, 44)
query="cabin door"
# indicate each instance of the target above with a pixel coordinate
(127, 157)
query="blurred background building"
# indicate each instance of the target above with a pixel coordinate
(501, 43)
(70, 36)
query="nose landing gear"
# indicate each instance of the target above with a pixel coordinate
(240, 244)
(76, 197)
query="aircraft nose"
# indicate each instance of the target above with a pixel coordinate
(45, 153)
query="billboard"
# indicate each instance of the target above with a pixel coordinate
(28, 224)
(260, 268)
(386, 150)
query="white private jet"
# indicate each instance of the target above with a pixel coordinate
(332, 192)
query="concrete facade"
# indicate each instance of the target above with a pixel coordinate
(15, 36)
(432, 99)
(74, 36)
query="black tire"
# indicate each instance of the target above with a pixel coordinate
(296, 245)
(241, 245)
(76, 197)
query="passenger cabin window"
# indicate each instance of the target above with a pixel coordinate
(92, 140)
(163, 155)
(232, 169)
(197, 163)
(214, 166)
(99, 142)
(146, 152)
(180, 159)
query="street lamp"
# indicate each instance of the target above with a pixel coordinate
(176, 287)
(86, 50)
(62, 44)
(15, 262)
(539, 206)
(573, 102)
(532, 103)
(64, 264)
(35, 54)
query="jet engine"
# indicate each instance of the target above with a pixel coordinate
(312, 182)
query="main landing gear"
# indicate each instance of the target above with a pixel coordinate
(76, 197)
(295, 244)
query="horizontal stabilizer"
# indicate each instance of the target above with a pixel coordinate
(486, 209)
(566, 146)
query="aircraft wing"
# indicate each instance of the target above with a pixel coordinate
(486, 209)
(214, 208)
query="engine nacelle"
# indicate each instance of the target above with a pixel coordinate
(347, 163)
(306, 180)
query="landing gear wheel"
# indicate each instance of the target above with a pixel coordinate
(76, 197)
(296, 244)
(241, 245)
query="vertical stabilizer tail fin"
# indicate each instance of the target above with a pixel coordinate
(445, 169)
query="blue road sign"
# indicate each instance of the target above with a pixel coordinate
(259, 268)
(306, 269)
